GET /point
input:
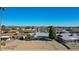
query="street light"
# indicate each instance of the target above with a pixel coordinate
(2, 10)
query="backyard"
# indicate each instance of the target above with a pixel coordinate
(37, 45)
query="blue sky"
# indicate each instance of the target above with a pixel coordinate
(41, 16)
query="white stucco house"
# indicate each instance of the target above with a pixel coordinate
(5, 38)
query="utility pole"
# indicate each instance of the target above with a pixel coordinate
(2, 9)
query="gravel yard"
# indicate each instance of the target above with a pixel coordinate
(36, 45)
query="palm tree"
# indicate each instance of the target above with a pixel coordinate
(2, 10)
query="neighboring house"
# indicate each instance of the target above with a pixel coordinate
(8, 34)
(61, 31)
(5, 38)
(29, 31)
(42, 29)
(66, 36)
(69, 37)
(13, 31)
(42, 35)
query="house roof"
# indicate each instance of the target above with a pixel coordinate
(41, 34)
(8, 34)
(66, 36)
(29, 30)
(5, 37)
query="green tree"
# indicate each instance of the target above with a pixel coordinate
(27, 27)
(52, 33)
(32, 27)
(3, 27)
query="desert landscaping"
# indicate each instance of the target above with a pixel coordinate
(17, 45)
(23, 36)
